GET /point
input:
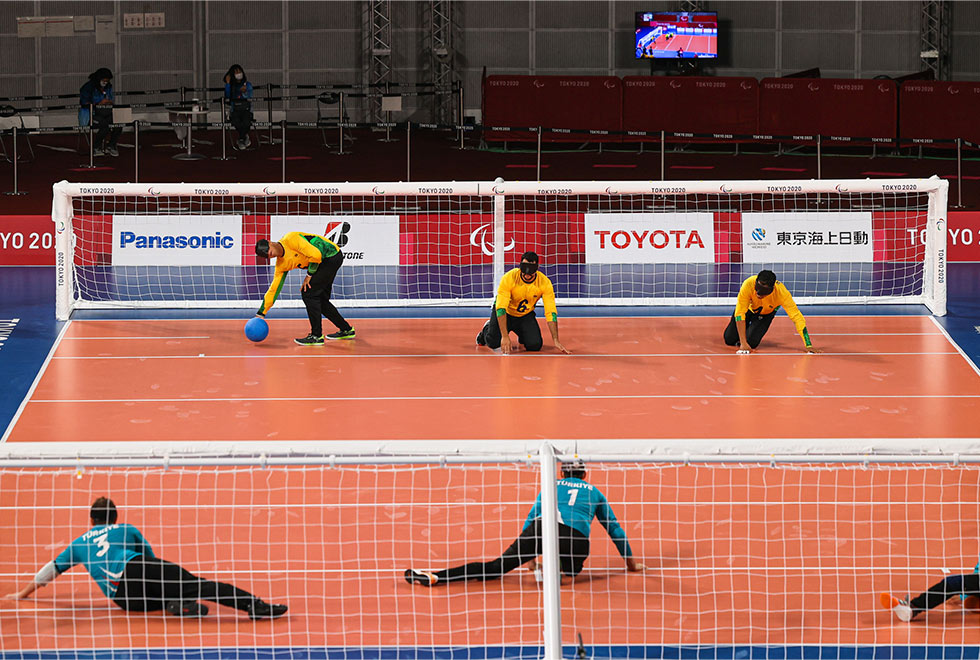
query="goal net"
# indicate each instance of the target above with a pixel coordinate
(746, 556)
(448, 243)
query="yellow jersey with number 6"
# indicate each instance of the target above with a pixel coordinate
(519, 297)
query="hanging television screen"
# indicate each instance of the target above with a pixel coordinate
(676, 34)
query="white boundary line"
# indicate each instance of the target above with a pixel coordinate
(517, 397)
(127, 338)
(959, 350)
(37, 379)
(481, 354)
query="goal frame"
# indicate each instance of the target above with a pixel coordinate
(933, 294)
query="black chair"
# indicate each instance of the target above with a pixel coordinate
(10, 118)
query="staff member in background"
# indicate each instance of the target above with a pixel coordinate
(758, 301)
(97, 93)
(513, 311)
(238, 92)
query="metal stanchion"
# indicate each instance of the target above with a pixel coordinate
(15, 191)
(272, 140)
(959, 173)
(408, 151)
(387, 122)
(460, 109)
(539, 155)
(224, 142)
(183, 94)
(663, 146)
(91, 140)
(136, 151)
(282, 125)
(340, 125)
(819, 158)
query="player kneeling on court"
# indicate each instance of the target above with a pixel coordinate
(322, 259)
(578, 503)
(122, 563)
(758, 301)
(513, 311)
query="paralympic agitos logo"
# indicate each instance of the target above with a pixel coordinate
(479, 239)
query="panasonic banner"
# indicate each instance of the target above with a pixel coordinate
(177, 240)
(365, 240)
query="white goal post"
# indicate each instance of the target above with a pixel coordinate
(448, 243)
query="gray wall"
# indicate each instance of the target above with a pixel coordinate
(324, 42)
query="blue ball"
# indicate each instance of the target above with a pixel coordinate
(256, 329)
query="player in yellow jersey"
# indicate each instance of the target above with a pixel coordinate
(513, 311)
(759, 299)
(322, 259)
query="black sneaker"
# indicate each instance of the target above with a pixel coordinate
(342, 334)
(310, 340)
(263, 610)
(187, 608)
(415, 576)
(481, 338)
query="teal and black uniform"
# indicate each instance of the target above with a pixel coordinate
(578, 503)
(124, 566)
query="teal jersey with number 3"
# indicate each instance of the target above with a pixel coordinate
(104, 550)
(578, 503)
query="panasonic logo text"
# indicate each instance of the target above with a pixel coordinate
(211, 241)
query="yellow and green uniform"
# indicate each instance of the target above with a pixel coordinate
(518, 298)
(302, 251)
(749, 301)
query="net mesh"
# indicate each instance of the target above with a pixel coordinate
(425, 249)
(738, 554)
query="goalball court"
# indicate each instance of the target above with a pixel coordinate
(316, 476)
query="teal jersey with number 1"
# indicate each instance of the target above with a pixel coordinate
(578, 503)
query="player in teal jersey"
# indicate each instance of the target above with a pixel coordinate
(124, 567)
(578, 503)
(964, 586)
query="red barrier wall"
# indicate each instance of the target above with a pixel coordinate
(585, 102)
(690, 104)
(940, 110)
(829, 106)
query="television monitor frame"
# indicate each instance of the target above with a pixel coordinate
(644, 46)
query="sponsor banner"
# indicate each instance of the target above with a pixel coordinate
(962, 236)
(649, 238)
(26, 240)
(176, 240)
(832, 237)
(367, 240)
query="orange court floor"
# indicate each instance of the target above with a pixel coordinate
(738, 555)
(425, 379)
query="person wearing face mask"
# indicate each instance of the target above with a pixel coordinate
(97, 93)
(513, 311)
(238, 92)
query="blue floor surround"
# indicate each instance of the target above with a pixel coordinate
(28, 331)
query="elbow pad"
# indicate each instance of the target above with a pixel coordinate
(47, 573)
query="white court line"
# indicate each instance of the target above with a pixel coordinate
(187, 337)
(37, 379)
(517, 397)
(482, 354)
(955, 345)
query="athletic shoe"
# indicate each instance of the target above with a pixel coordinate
(481, 338)
(112, 151)
(342, 334)
(248, 141)
(99, 152)
(263, 610)
(187, 608)
(240, 145)
(901, 608)
(310, 340)
(424, 578)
